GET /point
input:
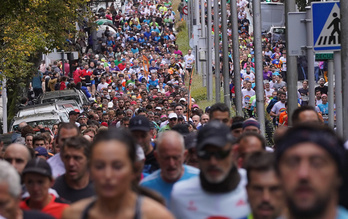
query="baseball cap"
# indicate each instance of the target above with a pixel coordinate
(158, 108)
(41, 151)
(172, 115)
(39, 166)
(182, 99)
(73, 112)
(139, 123)
(195, 106)
(81, 116)
(213, 133)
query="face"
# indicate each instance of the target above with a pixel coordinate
(318, 95)
(237, 132)
(265, 194)
(216, 170)
(111, 169)
(143, 139)
(222, 117)
(324, 99)
(247, 146)
(179, 110)
(37, 186)
(75, 163)
(195, 120)
(204, 119)
(173, 122)
(251, 129)
(64, 134)
(29, 141)
(170, 156)
(309, 177)
(8, 203)
(282, 98)
(40, 143)
(17, 156)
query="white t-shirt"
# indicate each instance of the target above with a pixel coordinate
(269, 93)
(278, 108)
(248, 77)
(189, 59)
(246, 97)
(189, 200)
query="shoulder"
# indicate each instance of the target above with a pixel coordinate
(191, 170)
(75, 210)
(181, 187)
(150, 178)
(152, 209)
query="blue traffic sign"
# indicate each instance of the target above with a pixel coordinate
(326, 26)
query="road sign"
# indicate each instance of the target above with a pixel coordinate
(326, 26)
(297, 33)
(185, 10)
(323, 56)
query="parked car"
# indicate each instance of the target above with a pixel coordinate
(277, 33)
(46, 119)
(54, 96)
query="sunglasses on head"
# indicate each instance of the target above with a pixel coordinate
(219, 155)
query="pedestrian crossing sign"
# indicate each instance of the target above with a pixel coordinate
(326, 26)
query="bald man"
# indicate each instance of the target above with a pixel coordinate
(17, 155)
(170, 154)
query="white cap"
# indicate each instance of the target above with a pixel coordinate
(158, 108)
(172, 115)
(182, 99)
(110, 105)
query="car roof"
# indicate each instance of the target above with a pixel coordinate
(59, 93)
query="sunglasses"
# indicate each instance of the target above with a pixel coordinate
(173, 119)
(219, 155)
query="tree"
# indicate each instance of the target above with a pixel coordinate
(28, 29)
(302, 4)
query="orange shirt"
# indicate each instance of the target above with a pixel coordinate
(283, 118)
(55, 208)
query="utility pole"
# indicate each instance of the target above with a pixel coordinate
(338, 93)
(291, 64)
(331, 93)
(226, 72)
(236, 65)
(217, 51)
(310, 57)
(209, 55)
(4, 106)
(344, 61)
(260, 100)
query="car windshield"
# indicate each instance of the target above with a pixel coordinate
(76, 98)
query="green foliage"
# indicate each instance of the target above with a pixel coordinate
(29, 28)
(302, 4)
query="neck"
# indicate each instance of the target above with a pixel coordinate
(116, 204)
(40, 204)
(228, 184)
(77, 184)
(173, 181)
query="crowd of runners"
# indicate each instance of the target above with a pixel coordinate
(143, 148)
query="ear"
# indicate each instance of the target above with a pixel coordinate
(185, 154)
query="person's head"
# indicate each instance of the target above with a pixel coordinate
(10, 190)
(237, 126)
(173, 119)
(324, 98)
(304, 114)
(305, 84)
(310, 160)
(65, 130)
(248, 143)
(251, 125)
(248, 85)
(214, 152)
(29, 140)
(220, 112)
(264, 190)
(282, 96)
(17, 155)
(196, 119)
(112, 158)
(170, 153)
(140, 129)
(41, 152)
(74, 155)
(318, 94)
(39, 141)
(321, 82)
(37, 178)
(204, 118)
(179, 109)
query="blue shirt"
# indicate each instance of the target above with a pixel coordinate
(155, 182)
(342, 213)
(37, 80)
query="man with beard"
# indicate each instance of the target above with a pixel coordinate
(265, 194)
(310, 162)
(219, 190)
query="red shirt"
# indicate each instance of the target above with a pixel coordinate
(121, 66)
(54, 208)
